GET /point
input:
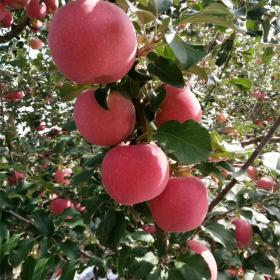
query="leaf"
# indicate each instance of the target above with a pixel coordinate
(166, 70)
(267, 55)
(70, 91)
(163, 5)
(189, 142)
(271, 160)
(215, 13)
(101, 96)
(69, 270)
(28, 268)
(222, 235)
(21, 252)
(245, 84)
(82, 177)
(70, 249)
(43, 223)
(9, 245)
(188, 55)
(157, 99)
(261, 263)
(41, 269)
(144, 16)
(140, 269)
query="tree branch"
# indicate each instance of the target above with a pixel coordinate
(255, 154)
(258, 139)
(19, 217)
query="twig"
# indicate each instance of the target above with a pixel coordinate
(255, 154)
(258, 139)
(19, 217)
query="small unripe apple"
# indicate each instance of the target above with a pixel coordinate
(62, 176)
(136, 173)
(149, 228)
(252, 173)
(36, 10)
(8, 19)
(222, 118)
(52, 6)
(182, 206)
(199, 248)
(36, 44)
(16, 178)
(58, 205)
(266, 183)
(16, 4)
(179, 104)
(243, 233)
(98, 48)
(100, 126)
(14, 96)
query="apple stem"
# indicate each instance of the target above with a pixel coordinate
(244, 167)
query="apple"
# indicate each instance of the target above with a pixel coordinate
(182, 206)
(98, 47)
(149, 228)
(179, 104)
(62, 176)
(266, 183)
(134, 174)
(199, 248)
(14, 96)
(36, 44)
(36, 10)
(259, 123)
(222, 118)
(2, 11)
(52, 6)
(58, 205)
(104, 127)
(16, 4)
(252, 173)
(41, 126)
(260, 95)
(16, 178)
(8, 19)
(243, 233)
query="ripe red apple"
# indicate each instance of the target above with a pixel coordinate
(16, 178)
(36, 10)
(149, 228)
(2, 11)
(260, 95)
(8, 19)
(104, 127)
(243, 233)
(36, 44)
(136, 173)
(58, 205)
(52, 6)
(61, 176)
(182, 206)
(222, 118)
(14, 96)
(180, 104)
(252, 173)
(16, 4)
(99, 47)
(266, 183)
(199, 248)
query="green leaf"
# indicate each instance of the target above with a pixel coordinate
(41, 269)
(166, 70)
(271, 160)
(21, 252)
(261, 263)
(267, 55)
(69, 270)
(188, 55)
(245, 84)
(140, 269)
(28, 268)
(70, 249)
(43, 223)
(145, 16)
(70, 91)
(222, 235)
(215, 13)
(157, 99)
(9, 245)
(189, 142)
(101, 96)
(82, 177)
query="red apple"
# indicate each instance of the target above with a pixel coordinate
(104, 127)
(260, 123)
(14, 96)
(180, 104)
(61, 176)
(252, 173)
(58, 205)
(16, 4)
(16, 178)
(222, 118)
(52, 6)
(136, 173)
(199, 248)
(99, 47)
(260, 95)
(266, 183)
(243, 233)
(2, 11)
(8, 19)
(149, 228)
(36, 44)
(182, 206)
(36, 10)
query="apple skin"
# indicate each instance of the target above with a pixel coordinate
(14, 96)
(179, 104)
(199, 248)
(99, 47)
(149, 228)
(104, 127)
(35, 10)
(266, 183)
(16, 178)
(60, 175)
(16, 4)
(2, 11)
(8, 19)
(252, 173)
(58, 205)
(52, 6)
(182, 206)
(243, 233)
(36, 44)
(134, 174)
